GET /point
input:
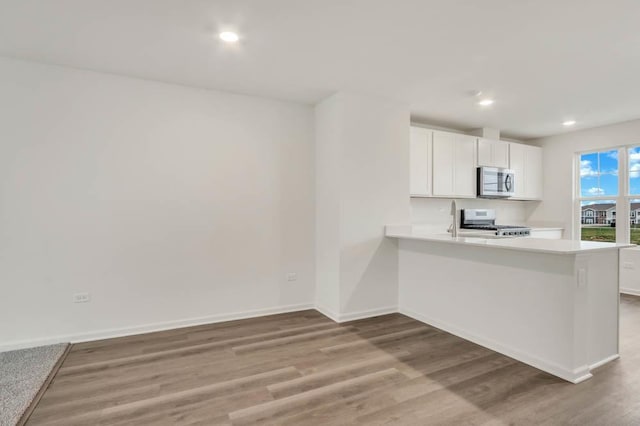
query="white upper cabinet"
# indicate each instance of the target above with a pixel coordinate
(465, 166)
(443, 164)
(526, 162)
(533, 172)
(443, 170)
(454, 165)
(420, 161)
(516, 163)
(492, 153)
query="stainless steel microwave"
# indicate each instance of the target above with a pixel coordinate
(494, 182)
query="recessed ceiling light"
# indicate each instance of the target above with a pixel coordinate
(486, 102)
(569, 123)
(229, 37)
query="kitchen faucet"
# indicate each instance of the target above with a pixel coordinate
(454, 224)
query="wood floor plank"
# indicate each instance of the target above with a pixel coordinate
(302, 368)
(135, 345)
(348, 371)
(188, 348)
(379, 339)
(269, 411)
(290, 339)
(127, 409)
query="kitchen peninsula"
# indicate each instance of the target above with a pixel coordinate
(552, 304)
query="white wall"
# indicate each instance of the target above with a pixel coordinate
(558, 160)
(328, 119)
(169, 205)
(363, 156)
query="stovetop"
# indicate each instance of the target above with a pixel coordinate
(492, 227)
(485, 220)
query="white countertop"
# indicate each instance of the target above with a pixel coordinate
(545, 228)
(519, 243)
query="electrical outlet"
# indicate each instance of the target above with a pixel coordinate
(81, 298)
(582, 277)
(292, 276)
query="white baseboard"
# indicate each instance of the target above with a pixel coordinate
(190, 322)
(574, 376)
(333, 316)
(631, 291)
(604, 361)
(149, 328)
(352, 316)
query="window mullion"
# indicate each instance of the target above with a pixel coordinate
(624, 208)
(577, 205)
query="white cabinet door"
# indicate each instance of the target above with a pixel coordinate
(493, 153)
(500, 154)
(465, 166)
(454, 165)
(516, 163)
(533, 172)
(443, 163)
(526, 162)
(484, 153)
(420, 162)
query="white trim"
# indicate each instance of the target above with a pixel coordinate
(149, 328)
(190, 322)
(576, 223)
(630, 291)
(604, 361)
(352, 316)
(579, 379)
(574, 376)
(333, 316)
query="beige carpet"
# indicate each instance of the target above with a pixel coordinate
(22, 374)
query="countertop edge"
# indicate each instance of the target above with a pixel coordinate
(390, 233)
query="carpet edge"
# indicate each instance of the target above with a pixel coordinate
(36, 399)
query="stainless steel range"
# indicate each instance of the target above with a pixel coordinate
(485, 220)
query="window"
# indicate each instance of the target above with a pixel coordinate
(597, 195)
(608, 183)
(599, 174)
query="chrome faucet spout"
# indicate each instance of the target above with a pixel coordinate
(454, 223)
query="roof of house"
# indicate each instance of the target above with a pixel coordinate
(606, 206)
(598, 207)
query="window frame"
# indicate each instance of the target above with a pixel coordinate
(622, 200)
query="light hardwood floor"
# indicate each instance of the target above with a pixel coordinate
(303, 369)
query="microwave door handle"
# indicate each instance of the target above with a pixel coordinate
(507, 182)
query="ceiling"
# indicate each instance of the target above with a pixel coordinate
(543, 61)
